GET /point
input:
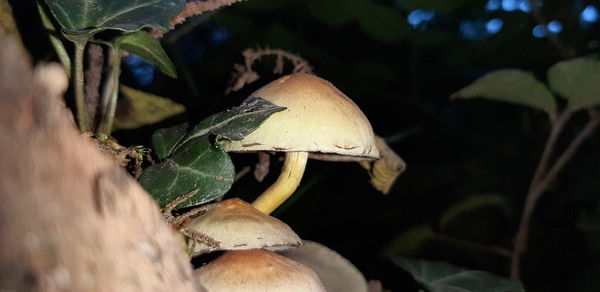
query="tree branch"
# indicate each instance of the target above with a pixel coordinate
(557, 127)
(538, 189)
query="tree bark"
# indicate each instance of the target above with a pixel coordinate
(70, 218)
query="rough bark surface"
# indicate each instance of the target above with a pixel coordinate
(70, 218)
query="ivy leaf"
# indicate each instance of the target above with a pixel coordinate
(193, 162)
(238, 122)
(443, 277)
(141, 44)
(91, 16)
(198, 164)
(165, 140)
(512, 86)
(383, 23)
(577, 80)
(139, 108)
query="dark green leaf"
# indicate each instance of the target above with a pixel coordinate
(577, 80)
(90, 16)
(443, 277)
(513, 86)
(437, 5)
(141, 44)
(238, 122)
(165, 140)
(383, 23)
(335, 12)
(198, 164)
(409, 242)
(471, 204)
(139, 108)
(194, 162)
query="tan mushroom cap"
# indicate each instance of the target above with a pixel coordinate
(238, 225)
(336, 272)
(256, 270)
(319, 119)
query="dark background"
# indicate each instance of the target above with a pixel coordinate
(400, 67)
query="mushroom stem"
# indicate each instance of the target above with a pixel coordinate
(286, 184)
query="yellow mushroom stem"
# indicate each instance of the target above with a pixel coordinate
(286, 184)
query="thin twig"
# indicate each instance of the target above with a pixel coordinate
(565, 51)
(540, 188)
(542, 168)
(241, 173)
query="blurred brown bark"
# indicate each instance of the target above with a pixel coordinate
(70, 218)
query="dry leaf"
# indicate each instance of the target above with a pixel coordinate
(244, 74)
(386, 170)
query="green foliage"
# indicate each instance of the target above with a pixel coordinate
(383, 23)
(437, 5)
(198, 164)
(165, 140)
(471, 204)
(192, 161)
(236, 123)
(513, 86)
(91, 16)
(139, 108)
(577, 80)
(336, 12)
(443, 277)
(409, 242)
(141, 44)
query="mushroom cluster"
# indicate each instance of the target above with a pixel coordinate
(319, 122)
(245, 234)
(249, 263)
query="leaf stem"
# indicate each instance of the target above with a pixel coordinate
(55, 41)
(538, 189)
(82, 113)
(110, 105)
(557, 127)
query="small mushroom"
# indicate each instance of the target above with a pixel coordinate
(320, 122)
(237, 225)
(256, 270)
(336, 272)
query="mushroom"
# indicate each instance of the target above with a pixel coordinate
(256, 270)
(320, 122)
(336, 272)
(237, 225)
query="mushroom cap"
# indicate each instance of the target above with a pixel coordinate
(336, 272)
(256, 270)
(319, 119)
(238, 225)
